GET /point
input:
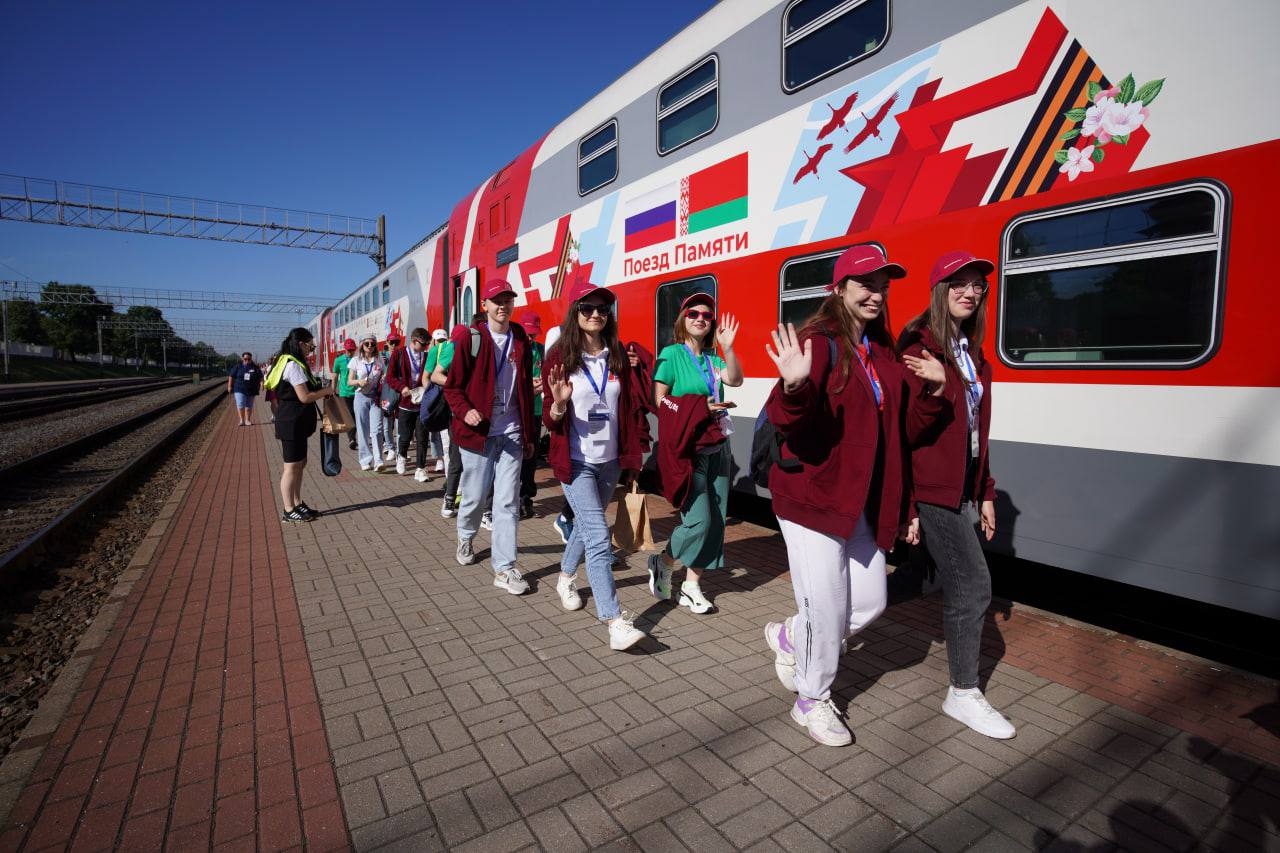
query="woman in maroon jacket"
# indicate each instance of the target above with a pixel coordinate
(595, 438)
(838, 492)
(953, 490)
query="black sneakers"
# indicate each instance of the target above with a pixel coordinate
(307, 511)
(294, 516)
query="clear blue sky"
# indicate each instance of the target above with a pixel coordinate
(398, 108)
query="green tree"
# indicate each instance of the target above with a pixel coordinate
(26, 323)
(73, 311)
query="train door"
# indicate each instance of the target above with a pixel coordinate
(465, 296)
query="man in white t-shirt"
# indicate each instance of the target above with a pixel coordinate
(490, 392)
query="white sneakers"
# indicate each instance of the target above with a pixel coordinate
(691, 597)
(486, 520)
(972, 708)
(512, 581)
(377, 465)
(365, 466)
(465, 555)
(439, 466)
(567, 588)
(784, 662)
(623, 634)
(822, 721)
(421, 475)
(401, 464)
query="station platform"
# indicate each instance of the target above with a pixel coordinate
(345, 684)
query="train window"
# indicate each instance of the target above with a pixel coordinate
(386, 290)
(598, 158)
(1127, 282)
(689, 105)
(819, 37)
(670, 295)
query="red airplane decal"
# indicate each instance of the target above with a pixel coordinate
(811, 168)
(872, 127)
(837, 116)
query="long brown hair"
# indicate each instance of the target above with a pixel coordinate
(569, 344)
(937, 319)
(680, 335)
(833, 318)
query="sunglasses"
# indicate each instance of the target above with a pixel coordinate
(587, 309)
(694, 314)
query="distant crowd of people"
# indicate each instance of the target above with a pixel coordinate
(869, 440)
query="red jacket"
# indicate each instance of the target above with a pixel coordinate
(686, 426)
(471, 381)
(400, 375)
(854, 457)
(629, 452)
(939, 444)
(642, 392)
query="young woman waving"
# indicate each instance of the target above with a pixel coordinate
(838, 491)
(690, 366)
(595, 440)
(954, 492)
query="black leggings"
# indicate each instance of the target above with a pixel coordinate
(408, 425)
(454, 476)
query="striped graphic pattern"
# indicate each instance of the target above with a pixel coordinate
(1032, 168)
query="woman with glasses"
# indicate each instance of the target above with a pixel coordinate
(953, 490)
(690, 366)
(595, 443)
(297, 392)
(364, 374)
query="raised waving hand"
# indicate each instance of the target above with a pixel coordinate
(791, 358)
(727, 332)
(927, 368)
(560, 385)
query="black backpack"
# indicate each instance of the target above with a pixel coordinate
(766, 441)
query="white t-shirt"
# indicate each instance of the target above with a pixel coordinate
(505, 419)
(595, 420)
(294, 374)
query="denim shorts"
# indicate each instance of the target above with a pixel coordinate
(244, 401)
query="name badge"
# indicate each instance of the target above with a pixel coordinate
(973, 443)
(248, 377)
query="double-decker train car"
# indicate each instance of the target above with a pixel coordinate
(1114, 159)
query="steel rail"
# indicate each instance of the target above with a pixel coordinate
(20, 409)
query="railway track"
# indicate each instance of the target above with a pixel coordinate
(20, 403)
(46, 492)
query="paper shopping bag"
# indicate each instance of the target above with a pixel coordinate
(337, 418)
(631, 526)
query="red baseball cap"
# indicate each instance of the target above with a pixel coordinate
(348, 344)
(496, 287)
(699, 299)
(394, 336)
(863, 260)
(531, 322)
(581, 288)
(952, 262)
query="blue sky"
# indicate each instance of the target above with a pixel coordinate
(398, 108)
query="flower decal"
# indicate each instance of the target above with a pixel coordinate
(1112, 115)
(1078, 160)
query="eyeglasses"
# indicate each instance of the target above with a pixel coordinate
(308, 343)
(958, 287)
(694, 314)
(587, 309)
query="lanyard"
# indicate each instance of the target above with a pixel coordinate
(604, 378)
(707, 369)
(864, 359)
(368, 368)
(500, 363)
(973, 391)
(415, 365)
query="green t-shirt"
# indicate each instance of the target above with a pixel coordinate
(676, 369)
(440, 355)
(538, 351)
(340, 367)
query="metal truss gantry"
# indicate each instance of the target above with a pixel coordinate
(123, 297)
(217, 335)
(64, 203)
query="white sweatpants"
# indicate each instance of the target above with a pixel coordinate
(840, 588)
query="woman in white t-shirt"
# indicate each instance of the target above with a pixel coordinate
(364, 373)
(595, 440)
(297, 392)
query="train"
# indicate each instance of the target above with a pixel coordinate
(1115, 160)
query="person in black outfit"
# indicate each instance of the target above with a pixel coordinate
(297, 392)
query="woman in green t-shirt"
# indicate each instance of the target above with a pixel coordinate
(691, 366)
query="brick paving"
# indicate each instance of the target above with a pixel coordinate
(457, 716)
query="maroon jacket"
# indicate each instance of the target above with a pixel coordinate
(642, 392)
(686, 426)
(400, 375)
(471, 381)
(854, 456)
(629, 451)
(939, 444)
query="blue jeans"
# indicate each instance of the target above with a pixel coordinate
(951, 538)
(368, 429)
(244, 401)
(589, 488)
(498, 468)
